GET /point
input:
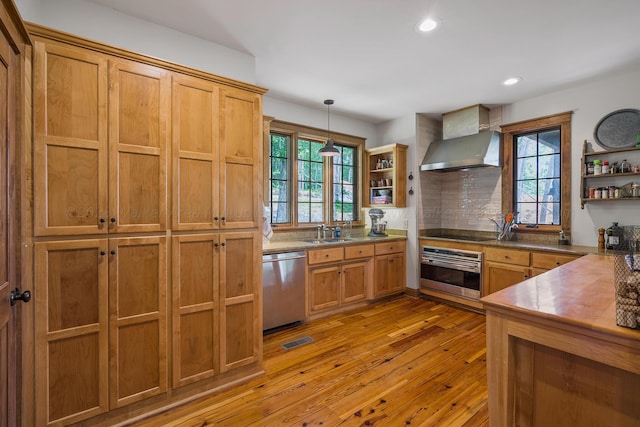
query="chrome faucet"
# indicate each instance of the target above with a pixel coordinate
(321, 229)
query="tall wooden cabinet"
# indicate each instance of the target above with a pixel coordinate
(132, 156)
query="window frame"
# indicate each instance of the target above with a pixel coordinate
(296, 132)
(510, 133)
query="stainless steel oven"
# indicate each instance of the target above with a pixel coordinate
(453, 271)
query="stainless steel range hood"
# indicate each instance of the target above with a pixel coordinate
(478, 150)
(466, 142)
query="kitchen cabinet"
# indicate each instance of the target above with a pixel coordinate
(605, 180)
(338, 276)
(545, 261)
(130, 151)
(385, 177)
(100, 148)
(216, 310)
(216, 137)
(389, 268)
(101, 325)
(504, 267)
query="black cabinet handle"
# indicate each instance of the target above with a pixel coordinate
(216, 218)
(113, 220)
(102, 220)
(17, 296)
(223, 244)
(216, 244)
(103, 253)
(112, 252)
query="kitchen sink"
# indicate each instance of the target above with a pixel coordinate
(324, 241)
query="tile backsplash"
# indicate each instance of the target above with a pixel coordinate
(461, 199)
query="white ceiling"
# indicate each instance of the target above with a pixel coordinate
(367, 56)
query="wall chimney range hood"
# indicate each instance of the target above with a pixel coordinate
(478, 150)
(467, 142)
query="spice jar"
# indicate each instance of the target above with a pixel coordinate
(597, 167)
(605, 167)
(597, 193)
(589, 168)
(612, 191)
(605, 192)
(592, 193)
(635, 190)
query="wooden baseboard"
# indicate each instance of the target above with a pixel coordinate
(452, 299)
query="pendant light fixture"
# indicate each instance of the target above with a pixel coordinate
(328, 149)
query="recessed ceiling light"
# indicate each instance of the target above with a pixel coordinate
(511, 81)
(427, 25)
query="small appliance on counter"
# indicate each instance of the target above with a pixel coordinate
(377, 226)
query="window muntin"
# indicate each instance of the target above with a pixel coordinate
(344, 184)
(279, 178)
(537, 177)
(310, 182)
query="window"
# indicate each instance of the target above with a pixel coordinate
(280, 170)
(536, 173)
(304, 188)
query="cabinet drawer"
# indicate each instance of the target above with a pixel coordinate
(360, 251)
(507, 256)
(549, 260)
(389, 247)
(318, 256)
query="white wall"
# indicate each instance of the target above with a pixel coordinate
(589, 102)
(403, 131)
(317, 117)
(108, 26)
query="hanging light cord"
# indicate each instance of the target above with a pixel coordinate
(328, 103)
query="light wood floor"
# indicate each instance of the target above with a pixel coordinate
(402, 362)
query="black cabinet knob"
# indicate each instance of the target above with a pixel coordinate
(102, 220)
(17, 296)
(103, 253)
(113, 220)
(112, 252)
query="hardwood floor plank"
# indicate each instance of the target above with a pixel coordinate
(394, 363)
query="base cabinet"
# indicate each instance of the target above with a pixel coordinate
(332, 283)
(389, 269)
(101, 317)
(505, 267)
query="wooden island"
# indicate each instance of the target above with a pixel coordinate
(555, 356)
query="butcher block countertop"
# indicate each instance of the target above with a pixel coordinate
(555, 355)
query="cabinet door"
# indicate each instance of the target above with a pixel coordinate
(240, 150)
(195, 131)
(195, 308)
(397, 273)
(70, 144)
(137, 319)
(240, 299)
(354, 281)
(139, 97)
(324, 288)
(499, 276)
(381, 283)
(71, 330)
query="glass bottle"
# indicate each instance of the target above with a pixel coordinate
(614, 236)
(625, 167)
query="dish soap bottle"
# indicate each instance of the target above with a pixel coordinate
(614, 237)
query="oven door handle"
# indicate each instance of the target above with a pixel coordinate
(453, 266)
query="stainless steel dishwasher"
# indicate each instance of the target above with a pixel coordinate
(283, 289)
